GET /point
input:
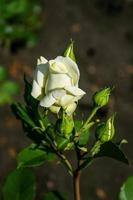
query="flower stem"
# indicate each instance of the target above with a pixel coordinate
(93, 112)
(76, 185)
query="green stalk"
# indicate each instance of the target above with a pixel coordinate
(93, 112)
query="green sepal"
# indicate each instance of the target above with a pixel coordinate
(96, 148)
(69, 52)
(121, 142)
(64, 125)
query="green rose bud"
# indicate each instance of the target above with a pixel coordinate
(69, 51)
(105, 131)
(64, 125)
(101, 97)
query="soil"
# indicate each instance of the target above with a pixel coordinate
(103, 35)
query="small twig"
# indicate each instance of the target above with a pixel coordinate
(93, 112)
(60, 155)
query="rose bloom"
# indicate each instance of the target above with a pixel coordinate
(55, 84)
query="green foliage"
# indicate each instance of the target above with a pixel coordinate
(8, 88)
(84, 135)
(3, 73)
(62, 135)
(21, 112)
(19, 185)
(126, 192)
(61, 142)
(55, 136)
(65, 125)
(107, 149)
(20, 19)
(32, 156)
(29, 100)
(54, 196)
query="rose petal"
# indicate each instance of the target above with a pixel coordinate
(57, 67)
(71, 108)
(66, 99)
(36, 90)
(72, 68)
(75, 91)
(43, 60)
(48, 100)
(41, 71)
(56, 81)
(55, 109)
(58, 93)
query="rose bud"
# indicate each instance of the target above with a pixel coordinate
(105, 131)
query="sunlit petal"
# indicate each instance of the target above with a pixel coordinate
(71, 108)
(36, 90)
(48, 100)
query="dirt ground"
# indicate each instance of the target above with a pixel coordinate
(103, 36)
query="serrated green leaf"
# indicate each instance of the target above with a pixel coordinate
(126, 191)
(19, 185)
(109, 149)
(54, 196)
(30, 101)
(21, 112)
(31, 156)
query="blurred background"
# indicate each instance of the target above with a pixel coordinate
(103, 35)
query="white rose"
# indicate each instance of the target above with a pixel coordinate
(55, 84)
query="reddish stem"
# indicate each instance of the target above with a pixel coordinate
(76, 185)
